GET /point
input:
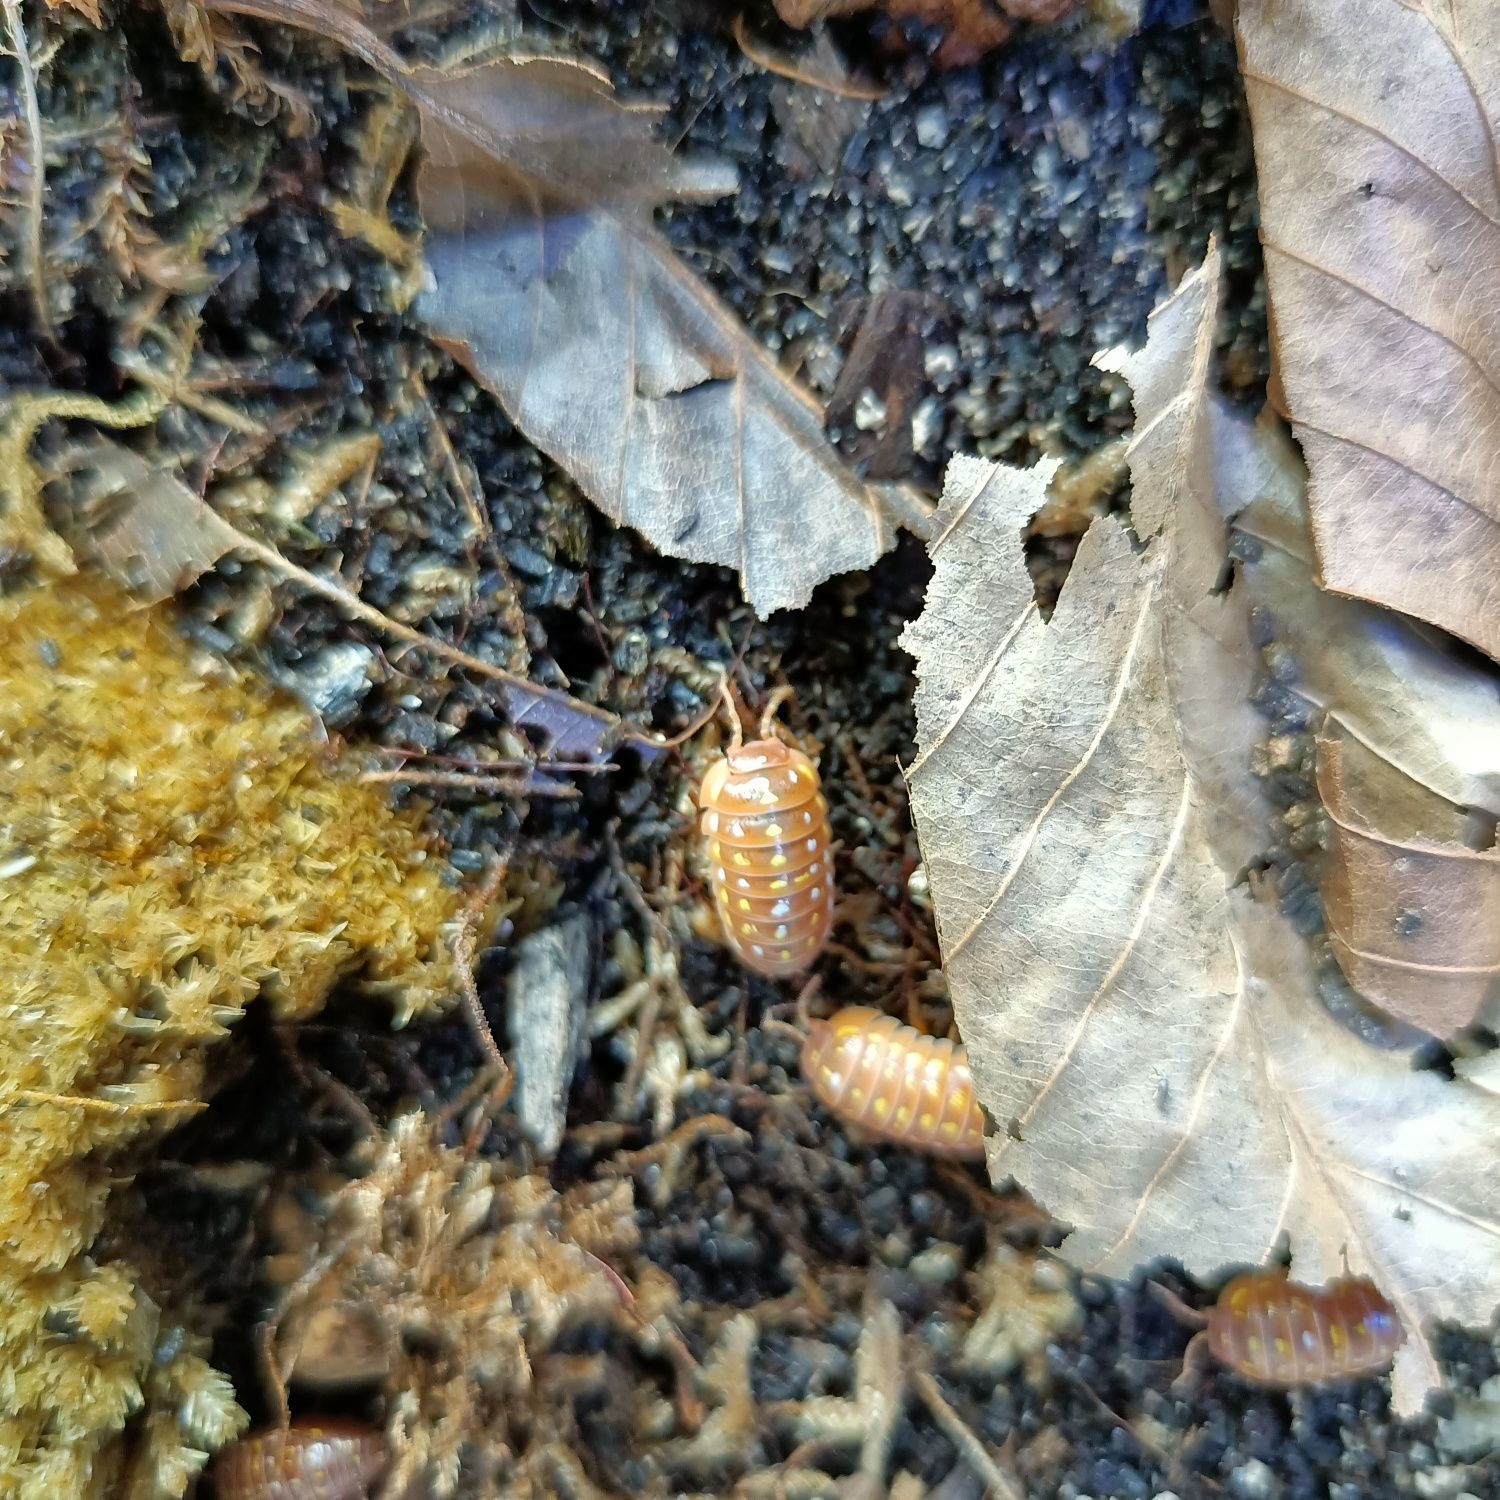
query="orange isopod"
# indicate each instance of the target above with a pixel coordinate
(309, 1460)
(1279, 1333)
(765, 824)
(894, 1082)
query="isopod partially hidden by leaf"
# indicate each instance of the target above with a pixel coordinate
(764, 821)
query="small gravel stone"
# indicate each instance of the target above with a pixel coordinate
(1254, 1480)
(932, 126)
(334, 680)
(1474, 1428)
(869, 411)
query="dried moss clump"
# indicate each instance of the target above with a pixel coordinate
(473, 1277)
(172, 843)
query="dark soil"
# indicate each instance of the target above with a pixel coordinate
(1032, 209)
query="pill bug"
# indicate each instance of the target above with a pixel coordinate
(765, 827)
(1277, 1332)
(309, 1460)
(894, 1082)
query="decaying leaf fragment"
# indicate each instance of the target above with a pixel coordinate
(1375, 136)
(551, 285)
(1408, 757)
(1147, 1035)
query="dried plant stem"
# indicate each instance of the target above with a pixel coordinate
(37, 187)
(468, 781)
(464, 945)
(840, 88)
(352, 604)
(963, 1437)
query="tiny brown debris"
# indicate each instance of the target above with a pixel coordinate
(974, 27)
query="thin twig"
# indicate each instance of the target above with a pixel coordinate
(469, 782)
(37, 187)
(464, 944)
(964, 1438)
(842, 88)
(490, 767)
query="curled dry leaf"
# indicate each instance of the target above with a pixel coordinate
(1147, 1034)
(1375, 129)
(550, 284)
(1408, 757)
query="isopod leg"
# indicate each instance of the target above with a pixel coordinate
(1195, 1361)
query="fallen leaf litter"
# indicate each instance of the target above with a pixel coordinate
(798, 1264)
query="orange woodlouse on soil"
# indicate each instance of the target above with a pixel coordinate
(896, 1083)
(310, 1460)
(765, 825)
(1280, 1333)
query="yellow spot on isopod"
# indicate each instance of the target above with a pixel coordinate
(715, 850)
(740, 859)
(950, 1127)
(777, 861)
(927, 1121)
(882, 1108)
(802, 879)
(1282, 1347)
(779, 885)
(1335, 1335)
(856, 1096)
(780, 933)
(744, 905)
(747, 928)
(773, 830)
(785, 954)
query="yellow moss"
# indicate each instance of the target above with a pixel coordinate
(173, 842)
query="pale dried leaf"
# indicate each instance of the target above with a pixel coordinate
(1147, 1037)
(1409, 763)
(612, 357)
(1376, 138)
(553, 119)
(146, 529)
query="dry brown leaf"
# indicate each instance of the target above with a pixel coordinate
(1413, 910)
(1408, 763)
(612, 357)
(1376, 124)
(1146, 1034)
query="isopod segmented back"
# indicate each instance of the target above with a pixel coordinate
(1279, 1333)
(309, 1460)
(894, 1082)
(765, 824)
